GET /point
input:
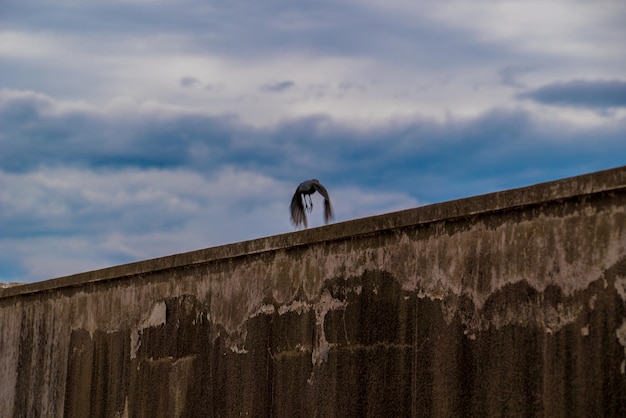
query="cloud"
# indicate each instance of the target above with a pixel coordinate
(377, 64)
(84, 187)
(59, 221)
(599, 94)
(39, 131)
(277, 87)
(557, 29)
(509, 75)
(189, 81)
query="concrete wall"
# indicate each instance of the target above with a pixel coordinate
(507, 304)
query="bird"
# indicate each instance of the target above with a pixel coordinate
(299, 204)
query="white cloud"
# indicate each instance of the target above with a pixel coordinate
(572, 29)
(557, 27)
(24, 45)
(400, 73)
(62, 221)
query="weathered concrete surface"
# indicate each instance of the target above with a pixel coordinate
(508, 304)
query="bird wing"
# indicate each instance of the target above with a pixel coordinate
(328, 210)
(298, 216)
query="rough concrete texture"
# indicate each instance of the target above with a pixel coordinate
(508, 304)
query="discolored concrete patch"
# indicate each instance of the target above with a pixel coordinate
(365, 347)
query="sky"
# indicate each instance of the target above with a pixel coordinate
(134, 129)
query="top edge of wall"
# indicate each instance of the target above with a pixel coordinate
(586, 184)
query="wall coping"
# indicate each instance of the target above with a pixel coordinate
(586, 184)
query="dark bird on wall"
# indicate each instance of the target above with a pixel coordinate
(299, 204)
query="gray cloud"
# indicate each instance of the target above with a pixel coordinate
(189, 82)
(248, 29)
(581, 93)
(72, 220)
(278, 86)
(496, 145)
(117, 187)
(509, 75)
